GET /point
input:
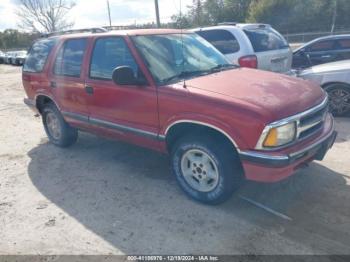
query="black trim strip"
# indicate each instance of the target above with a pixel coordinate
(29, 102)
(32, 105)
(75, 116)
(110, 125)
(107, 124)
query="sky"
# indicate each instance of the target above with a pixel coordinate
(93, 13)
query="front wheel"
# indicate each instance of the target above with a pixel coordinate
(207, 170)
(339, 98)
(59, 132)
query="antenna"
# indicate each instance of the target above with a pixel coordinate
(182, 45)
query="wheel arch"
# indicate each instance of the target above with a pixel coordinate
(181, 127)
(43, 99)
(325, 85)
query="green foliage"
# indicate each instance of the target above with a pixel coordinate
(12, 39)
(287, 16)
(211, 12)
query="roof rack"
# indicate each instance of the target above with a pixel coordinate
(73, 31)
(228, 23)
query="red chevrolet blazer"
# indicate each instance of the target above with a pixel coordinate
(173, 92)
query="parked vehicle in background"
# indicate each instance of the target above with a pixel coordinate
(322, 50)
(250, 45)
(2, 57)
(9, 57)
(19, 58)
(172, 91)
(335, 79)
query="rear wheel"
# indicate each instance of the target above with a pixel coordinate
(207, 170)
(339, 98)
(57, 129)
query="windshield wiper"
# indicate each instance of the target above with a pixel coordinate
(185, 74)
(222, 67)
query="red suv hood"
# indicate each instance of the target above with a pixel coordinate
(280, 95)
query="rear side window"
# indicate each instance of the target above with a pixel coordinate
(320, 46)
(223, 40)
(109, 53)
(38, 54)
(265, 39)
(344, 44)
(70, 58)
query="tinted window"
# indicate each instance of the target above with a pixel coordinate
(70, 58)
(223, 40)
(322, 46)
(38, 54)
(265, 39)
(344, 44)
(108, 54)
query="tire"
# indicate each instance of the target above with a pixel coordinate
(194, 160)
(339, 98)
(57, 129)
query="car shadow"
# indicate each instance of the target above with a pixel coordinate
(127, 196)
(342, 126)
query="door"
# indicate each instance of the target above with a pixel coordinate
(321, 52)
(67, 80)
(128, 110)
(343, 49)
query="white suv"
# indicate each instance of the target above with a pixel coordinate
(250, 45)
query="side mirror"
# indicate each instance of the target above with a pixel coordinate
(124, 75)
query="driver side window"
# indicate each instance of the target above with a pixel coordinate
(109, 53)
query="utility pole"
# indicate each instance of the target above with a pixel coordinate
(157, 12)
(334, 18)
(109, 13)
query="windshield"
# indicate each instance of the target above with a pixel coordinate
(174, 57)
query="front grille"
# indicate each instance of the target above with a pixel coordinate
(314, 117)
(312, 123)
(311, 130)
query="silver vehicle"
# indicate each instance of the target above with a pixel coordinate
(335, 79)
(250, 45)
(9, 56)
(2, 57)
(19, 58)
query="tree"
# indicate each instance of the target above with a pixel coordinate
(14, 39)
(295, 16)
(211, 12)
(44, 15)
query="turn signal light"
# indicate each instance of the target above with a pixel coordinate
(271, 139)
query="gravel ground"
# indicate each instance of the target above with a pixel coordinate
(107, 197)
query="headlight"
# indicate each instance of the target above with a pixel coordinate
(280, 135)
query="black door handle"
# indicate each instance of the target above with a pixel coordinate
(89, 90)
(53, 84)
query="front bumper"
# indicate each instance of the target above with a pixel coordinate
(275, 166)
